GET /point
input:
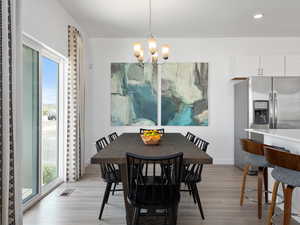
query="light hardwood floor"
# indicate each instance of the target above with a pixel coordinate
(219, 193)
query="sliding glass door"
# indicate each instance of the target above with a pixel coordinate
(30, 165)
(42, 143)
(50, 154)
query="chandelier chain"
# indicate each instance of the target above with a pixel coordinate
(150, 18)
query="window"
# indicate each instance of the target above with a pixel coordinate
(42, 161)
(50, 154)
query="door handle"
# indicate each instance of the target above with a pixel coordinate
(275, 110)
(271, 123)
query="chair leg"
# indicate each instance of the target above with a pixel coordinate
(193, 192)
(189, 188)
(259, 191)
(105, 199)
(173, 215)
(170, 214)
(288, 192)
(198, 200)
(108, 193)
(166, 217)
(114, 189)
(266, 184)
(136, 215)
(273, 203)
(175, 211)
(243, 186)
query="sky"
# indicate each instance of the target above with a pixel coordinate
(50, 81)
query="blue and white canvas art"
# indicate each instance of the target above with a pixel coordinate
(133, 94)
(184, 90)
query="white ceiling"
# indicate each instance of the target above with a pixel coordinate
(186, 18)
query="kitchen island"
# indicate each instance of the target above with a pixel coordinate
(290, 140)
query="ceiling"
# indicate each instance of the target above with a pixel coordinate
(186, 18)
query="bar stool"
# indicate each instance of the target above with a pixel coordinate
(286, 171)
(255, 158)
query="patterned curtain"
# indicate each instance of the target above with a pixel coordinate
(75, 107)
(9, 204)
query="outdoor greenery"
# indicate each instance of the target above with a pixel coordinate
(49, 173)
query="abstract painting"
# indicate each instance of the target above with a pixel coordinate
(133, 94)
(184, 88)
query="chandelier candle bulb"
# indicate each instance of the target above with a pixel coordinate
(137, 48)
(152, 45)
(141, 56)
(165, 49)
(155, 57)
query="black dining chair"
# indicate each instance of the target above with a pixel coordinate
(201, 144)
(192, 175)
(189, 136)
(101, 144)
(112, 137)
(142, 131)
(110, 174)
(161, 131)
(154, 184)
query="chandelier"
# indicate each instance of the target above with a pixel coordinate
(152, 45)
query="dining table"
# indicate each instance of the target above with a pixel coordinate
(170, 143)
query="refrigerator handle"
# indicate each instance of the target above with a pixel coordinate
(275, 110)
(271, 116)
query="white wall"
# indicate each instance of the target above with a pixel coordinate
(216, 51)
(48, 21)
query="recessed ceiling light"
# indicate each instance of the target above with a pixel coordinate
(258, 16)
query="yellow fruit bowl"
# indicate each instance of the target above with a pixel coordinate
(151, 140)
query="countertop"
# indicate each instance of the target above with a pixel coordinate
(288, 134)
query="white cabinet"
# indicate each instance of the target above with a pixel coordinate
(267, 65)
(245, 66)
(292, 65)
(272, 65)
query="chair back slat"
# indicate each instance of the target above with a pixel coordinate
(112, 137)
(252, 147)
(161, 131)
(201, 144)
(101, 144)
(281, 158)
(165, 174)
(142, 131)
(189, 136)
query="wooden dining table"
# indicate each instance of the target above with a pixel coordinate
(170, 143)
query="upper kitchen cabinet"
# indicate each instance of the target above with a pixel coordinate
(244, 66)
(272, 65)
(292, 65)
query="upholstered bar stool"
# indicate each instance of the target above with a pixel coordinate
(286, 171)
(255, 158)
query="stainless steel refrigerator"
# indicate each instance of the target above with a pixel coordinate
(265, 103)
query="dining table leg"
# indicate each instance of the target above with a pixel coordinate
(128, 207)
